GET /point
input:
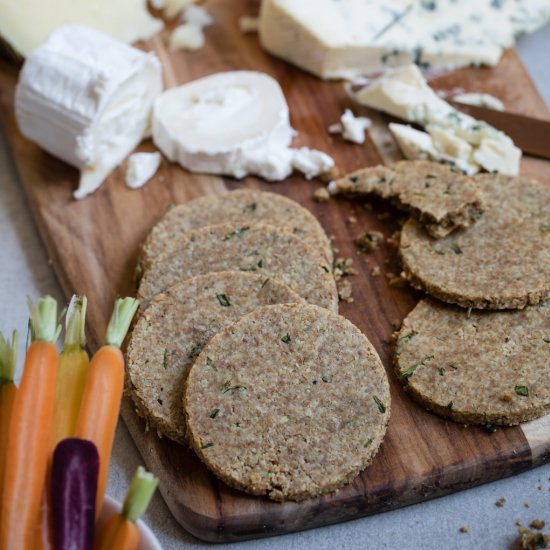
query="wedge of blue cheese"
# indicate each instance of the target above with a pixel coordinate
(451, 137)
(344, 38)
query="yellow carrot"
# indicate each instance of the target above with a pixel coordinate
(100, 405)
(30, 432)
(120, 532)
(72, 372)
(8, 362)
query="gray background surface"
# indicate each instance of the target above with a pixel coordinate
(431, 525)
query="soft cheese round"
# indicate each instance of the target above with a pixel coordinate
(210, 124)
(500, 262)
(173, 329)
(263, 249)
(243, 206)
(483, 368)
(291, 401)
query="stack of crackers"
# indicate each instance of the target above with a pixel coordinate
(478, 349)
(240, 353)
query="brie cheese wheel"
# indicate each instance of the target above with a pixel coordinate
(141, 168)
(233, 123)
(342, 38)
(26, 24)
(455, 137)
(86, 99)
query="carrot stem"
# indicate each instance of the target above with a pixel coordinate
(75, 335)
(8, 358)
(123, 313)
(139, 494)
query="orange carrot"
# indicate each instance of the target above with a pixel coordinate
(30, 431)
(120, 532)
(100, 405)
(73, 368)
(8, 362)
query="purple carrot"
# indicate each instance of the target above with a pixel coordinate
(75, 473)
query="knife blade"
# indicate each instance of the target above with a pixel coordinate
(531, 135)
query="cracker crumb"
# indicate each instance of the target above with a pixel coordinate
(530, 540)
(352, 219)
(375, 271)
(330, 175)
(464, 529)
(345, 290)
(537, 524)
(395, 281)
(500, 502)
(369, 240)
(321, 195)
(394, 239)
(342, 267)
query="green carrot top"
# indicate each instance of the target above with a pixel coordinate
(75, 322)
(8, 358)
(139, 494)
(123, 313)
(43, 320)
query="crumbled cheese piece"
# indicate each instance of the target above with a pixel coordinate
(197, 15)
(321, 195)
(454, 137)
(248, 24)
(186, 37)
(481, 100)
(190, 35)
(311, 162)
(141, 168)
(351, 127)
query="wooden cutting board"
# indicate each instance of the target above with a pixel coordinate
(93, 246)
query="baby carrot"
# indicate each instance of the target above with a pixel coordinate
(100, 405)
(73, 368)
(8, 362)
(30, 431)
(120, 532)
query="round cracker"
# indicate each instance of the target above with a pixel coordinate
(244, 206)
(263, 249)
(483, 368)
(291, 401)
(173, 329)
(502, 261)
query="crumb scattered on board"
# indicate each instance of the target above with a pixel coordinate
(464, 529)
(369, 240)
(345, 290)
(531, 540)
(500, 502)
(321, 195)
(395, 281)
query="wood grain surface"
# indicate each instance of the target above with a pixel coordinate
(93, 246)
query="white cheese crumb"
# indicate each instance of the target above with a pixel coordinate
(172, 8)
(351, 127)
(311, 162)
(249, 24)
(331, 188)
(480, 100)
(197, 15)
(141, 168)
(187, 37)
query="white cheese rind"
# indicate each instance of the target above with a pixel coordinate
(456, 137)
(234, 123)
(141, 168)
(26, 24)
(343, 38)
(86, 99)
